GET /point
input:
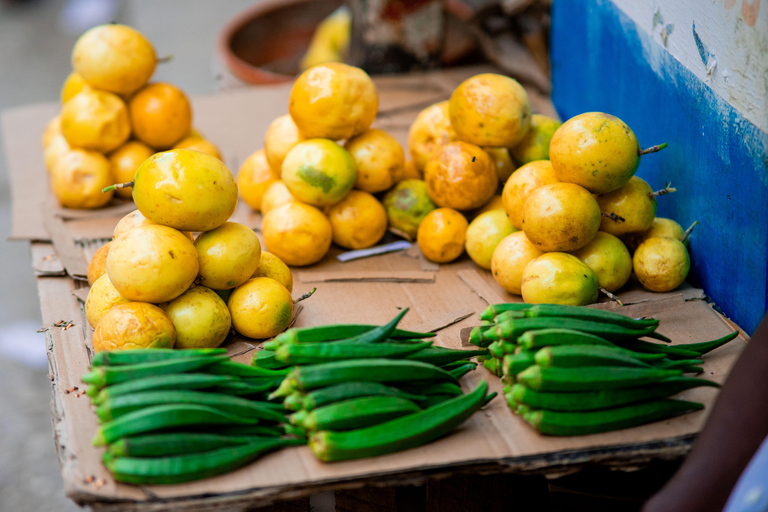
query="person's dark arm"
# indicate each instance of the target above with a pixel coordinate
(736, 427)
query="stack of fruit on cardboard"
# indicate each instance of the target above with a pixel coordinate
(112, 119)
(154, 285)
(303, 180)
(557, 233)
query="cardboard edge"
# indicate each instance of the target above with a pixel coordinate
(565, 461)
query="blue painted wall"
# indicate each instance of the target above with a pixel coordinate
(717, 159)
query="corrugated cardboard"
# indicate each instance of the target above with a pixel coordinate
(492, 440)
(370, 290)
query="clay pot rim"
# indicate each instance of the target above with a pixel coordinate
(257, 75)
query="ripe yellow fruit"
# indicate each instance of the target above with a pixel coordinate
(632, 202)
(186, 190)
(228, 255)
(275, 195)
(152, 263)
(559, 278)
(95, 120)
(462, 176)
(535, 144)
(280, 138)
(661, 264)
(73, 85)
(490, 110)
(56, 148)
(52, 129)
(125, 161)
(254, 178)
(201, 318)
(430, 131)
(97, 267)
(595, 150)
(115, 58)
(561, 217)
(318, 172)
(297, 233)
(101, 298)
(134, 219)
(379, 159)
(519, 186)
(261, 308)
(199, 144)
(407, 204)
(274, 268)
(134, 325)
(496, 203)
(484, 234)
(128, 222)
(509, 259)
(410, 172)
(609, 258)
(333, 101)
(78, 177)
(501, 162)
(442, 234)
(358, 221)
(662, 226)
(161, 115)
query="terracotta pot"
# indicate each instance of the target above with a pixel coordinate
(264, 44)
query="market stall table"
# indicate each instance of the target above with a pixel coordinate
(444, 298)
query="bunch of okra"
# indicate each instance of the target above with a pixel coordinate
(362, 390)
(574, 370)
(169, 416)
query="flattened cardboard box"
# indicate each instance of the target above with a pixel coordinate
(492, 440)
(370, 290)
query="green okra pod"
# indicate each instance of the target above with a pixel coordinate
(150, 355)
(305, 378)
(159, 382)
(604, 399)
(591, 378)
(315, 353)
(161, 417)
(185, 468)
(354, 413)
(349, 390)
(577, 356)
(119, 406)
(172, 443)
(399, 434)
(109, 375)
(559, 423)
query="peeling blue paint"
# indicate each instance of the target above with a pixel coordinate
(704, 52)
(602, 61)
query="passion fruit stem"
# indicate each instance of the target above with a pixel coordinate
(306, 295)
(688, 232)
(668, 189)
(611, 296)
(163, 60)
(117, 186)
(652, 149)
(613, 216)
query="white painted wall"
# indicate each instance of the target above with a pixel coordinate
(733, 35)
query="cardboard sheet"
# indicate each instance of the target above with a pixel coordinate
(492, 440)
(369, 290)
